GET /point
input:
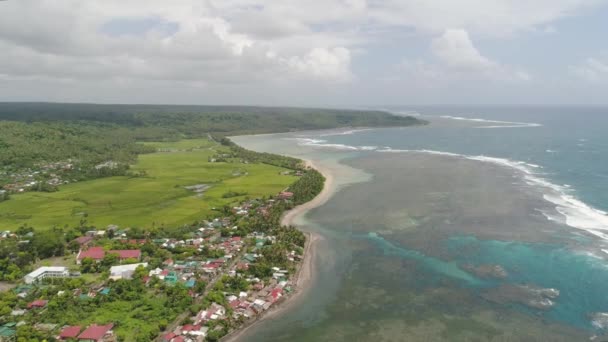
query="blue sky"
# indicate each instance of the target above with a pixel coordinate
(345, 53)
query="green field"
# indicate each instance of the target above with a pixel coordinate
(159, 198)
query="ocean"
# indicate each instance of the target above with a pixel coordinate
(488, 224)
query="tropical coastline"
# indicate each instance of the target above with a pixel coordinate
(304, 277)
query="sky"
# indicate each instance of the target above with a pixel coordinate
(343, 53)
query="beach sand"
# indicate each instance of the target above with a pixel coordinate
(305, 274)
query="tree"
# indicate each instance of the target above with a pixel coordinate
(88, 265)
(110, 259)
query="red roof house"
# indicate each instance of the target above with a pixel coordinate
(276, 293)
(127, 253)
(69, 332)
(37, 304)
(95, 253)
(96, 333)
(84, 240)
(189, 327)
(285, 195)
(168, 337)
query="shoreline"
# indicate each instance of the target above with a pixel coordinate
(304, 276)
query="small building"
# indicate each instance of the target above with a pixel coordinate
(7, 331)
(97, 254)
(40, 303)
(70, 332)
(96, 333)
(83, 240)
(46, 272)
(286, 195)
(125, 271)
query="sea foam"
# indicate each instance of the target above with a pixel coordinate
(501, 124)
(349, 132)
(574, 212)
(323, 143)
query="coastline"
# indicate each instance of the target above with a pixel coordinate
(305, 274)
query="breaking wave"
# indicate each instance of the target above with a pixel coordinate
(574, 212)
(349, 132)
(501, 124)
(323, 143)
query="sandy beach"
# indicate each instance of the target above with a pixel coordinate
(305, 274)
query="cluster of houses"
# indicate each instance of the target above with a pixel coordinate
(25, 180)
(234, 254)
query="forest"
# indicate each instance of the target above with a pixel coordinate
(85, 136)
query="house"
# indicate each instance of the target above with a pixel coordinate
(70, 332)
(46, 272)
(127, 254)
(40, 303)
(97, 254)
(125, 271)
(286, 195)
(276, 294)
(96, 333)
(7, 332)
(169, 336)
(83, 240)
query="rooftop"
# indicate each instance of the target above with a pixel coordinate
(95, 332)
(70, 332)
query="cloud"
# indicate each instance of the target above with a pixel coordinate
(185, 41)
(591, 70)
(457, 58)
(455, 49)
(487, 17)
(261, 44)
(331, 64)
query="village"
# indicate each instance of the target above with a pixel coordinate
(231, 271)
(48, 176)
(43, 177)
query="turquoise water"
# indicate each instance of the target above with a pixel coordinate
(448, 269)
(581, 279)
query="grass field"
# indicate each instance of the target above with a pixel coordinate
(156, 199)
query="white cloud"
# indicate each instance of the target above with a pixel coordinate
(486, 17)
(592, 70)
(261, 43)
(455, 49)
(330, 64)
(457, 58)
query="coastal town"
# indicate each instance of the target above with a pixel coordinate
(213, 277)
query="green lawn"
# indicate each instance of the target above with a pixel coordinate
(185, 144)
(159, 198)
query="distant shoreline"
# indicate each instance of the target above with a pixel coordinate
(305, 275)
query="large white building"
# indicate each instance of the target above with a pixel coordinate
(46, 272)
(125, 271)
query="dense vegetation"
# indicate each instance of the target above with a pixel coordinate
(25, 145)
(153, 122)
(35, 133)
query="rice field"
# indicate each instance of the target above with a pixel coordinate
(158, 198)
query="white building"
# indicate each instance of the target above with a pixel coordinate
(47, 272)
(125, 271)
